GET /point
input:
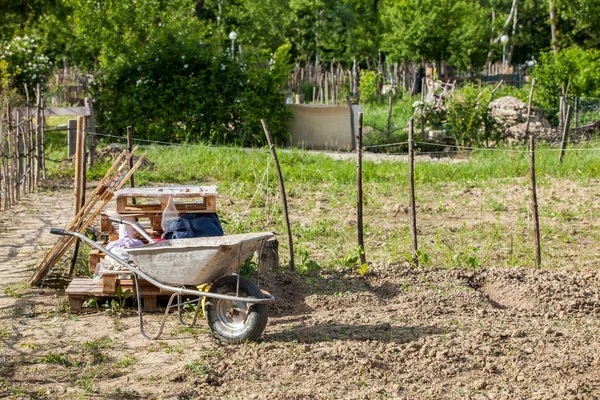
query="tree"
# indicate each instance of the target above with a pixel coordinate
(436, 30)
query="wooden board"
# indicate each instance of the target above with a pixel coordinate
(82, 289)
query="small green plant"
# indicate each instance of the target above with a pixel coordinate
(197, 367)
(57, 358)
(97, 344)
(306, 263)
(127, 361)
(115, 307)
(351, 259)
(363, 269)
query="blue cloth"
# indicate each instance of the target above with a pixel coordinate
(194, 225)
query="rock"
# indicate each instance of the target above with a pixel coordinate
(479, 384)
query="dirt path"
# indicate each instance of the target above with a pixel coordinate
(24, 236)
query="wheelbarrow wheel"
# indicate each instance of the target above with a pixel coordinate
(236, 321)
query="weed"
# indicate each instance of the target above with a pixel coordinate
(97, 344)
(198, 368)
(127, 361)
(57, 358)
(306, 263)
(87, 379)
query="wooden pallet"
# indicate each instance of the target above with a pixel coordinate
(150, 202)
(83, 289)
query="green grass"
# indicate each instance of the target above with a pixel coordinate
(470, 214)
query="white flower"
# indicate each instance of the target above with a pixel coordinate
(185, 66)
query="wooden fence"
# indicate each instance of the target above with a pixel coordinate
(22, 164)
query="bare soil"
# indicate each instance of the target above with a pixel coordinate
(397, 332)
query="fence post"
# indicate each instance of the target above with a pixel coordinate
(72, 137)
(38, 135)
(529, 107)
(80, 180)
(534, 203)
(389, 118)
(411, 180)
(565, 136)
(92, 131)
(281, 192)
(359, 191)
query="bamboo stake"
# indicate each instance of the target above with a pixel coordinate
(281, 192)
(565, 136)
(359, 190)
(412, 207)
(534, 203)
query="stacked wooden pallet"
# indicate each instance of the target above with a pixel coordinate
(144, 206)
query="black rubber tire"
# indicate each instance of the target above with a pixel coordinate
(233, 332)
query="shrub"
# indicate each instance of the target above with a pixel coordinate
(368, 85)
(573, 67)
(24, 62)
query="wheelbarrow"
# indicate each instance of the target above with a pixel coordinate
(200, 268)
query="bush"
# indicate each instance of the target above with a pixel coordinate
(180, 88)
(24, 62)
(368, 86)
(573, 67)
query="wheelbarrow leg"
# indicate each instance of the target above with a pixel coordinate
(164, 319)
(179, 310)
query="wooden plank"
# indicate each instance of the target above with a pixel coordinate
(58, 111)
(101, 196)
(109, 283)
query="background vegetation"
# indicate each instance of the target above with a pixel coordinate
(167, 67)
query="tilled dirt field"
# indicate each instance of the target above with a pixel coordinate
(398, 332)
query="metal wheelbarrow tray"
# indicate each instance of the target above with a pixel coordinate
(194, 262)
(235, 309)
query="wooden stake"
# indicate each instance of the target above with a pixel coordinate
(80, 180)
(129, 148)
(92, 134)
(352, 129)
(411, 179)
(576, 112)
(529, 107)
(565, 136)
(534, 204)
(359, 190)
(389, 118)
(281, 192)
(38, 136)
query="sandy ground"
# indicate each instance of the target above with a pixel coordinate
(397, 332)
(24, 236)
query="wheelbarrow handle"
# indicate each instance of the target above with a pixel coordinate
(58, 231)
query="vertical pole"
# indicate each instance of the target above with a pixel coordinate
(38, 136)
(423, 88)
(412, 206)
(19, 154)
(576, 112)
(565, 136)
(71, 137)
(529, 107)
(534, 203)
(389, 118)
(130, 149)
(352, 129)
(92, 131)
(43, 137)
(359, 191)
(281, 192)
(80, 180)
